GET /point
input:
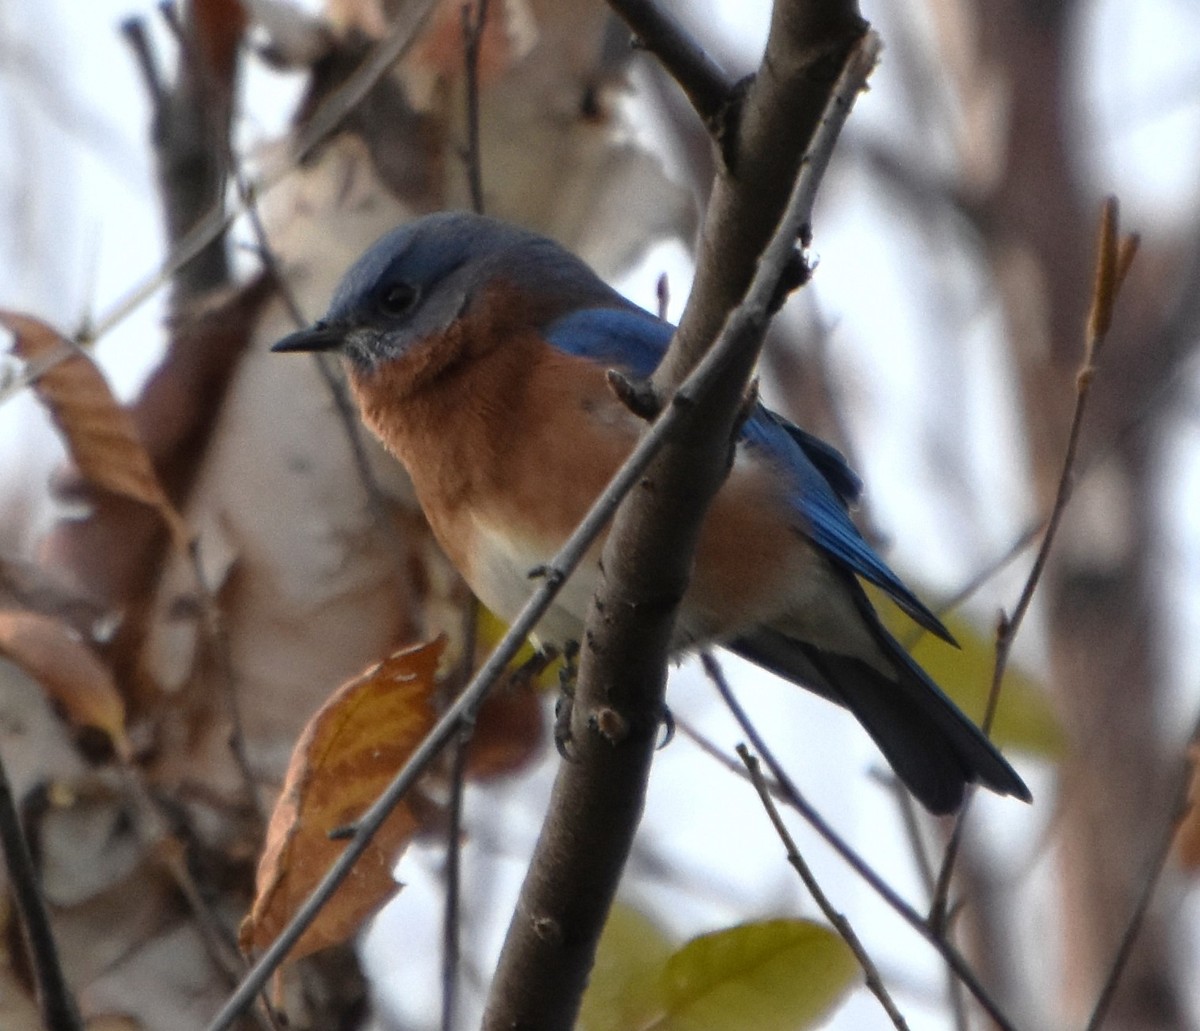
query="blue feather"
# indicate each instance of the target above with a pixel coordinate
(822, 485)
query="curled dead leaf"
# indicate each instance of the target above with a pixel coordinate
(346, 755)
(98, 431)
(68, 670)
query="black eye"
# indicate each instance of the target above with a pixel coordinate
(397, 299)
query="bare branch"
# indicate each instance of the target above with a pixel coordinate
(837, 920)
(474, 19)
(1115, 255)
(954, 959)
(597, 799)
(57, 1006)
(1179, 808)
(452, 871)
(704, 81)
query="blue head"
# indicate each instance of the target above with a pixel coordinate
(414, 282)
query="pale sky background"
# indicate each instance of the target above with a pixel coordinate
(79, 228)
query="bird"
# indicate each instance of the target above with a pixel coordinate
(479, 354)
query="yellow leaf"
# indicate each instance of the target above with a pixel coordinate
(1025, 719)
(625, 990)
(347, 754)
(780, 975)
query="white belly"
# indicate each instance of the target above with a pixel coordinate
(500, 568)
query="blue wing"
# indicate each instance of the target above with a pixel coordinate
(823, 486)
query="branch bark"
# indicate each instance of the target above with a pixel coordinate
(55, 1001)
(598, 797)
(698, 75)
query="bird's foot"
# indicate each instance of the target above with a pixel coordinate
(534, 666)
(668, 727)
(565, 705)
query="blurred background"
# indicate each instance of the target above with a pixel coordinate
(938, 346)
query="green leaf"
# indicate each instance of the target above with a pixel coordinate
(781, 975)
(624, 991)
(1025, 720)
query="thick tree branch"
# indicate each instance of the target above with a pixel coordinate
(806, 50)
(597, 799)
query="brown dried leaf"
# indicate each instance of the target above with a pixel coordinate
(99, 433)
(348, 752)
(69, 671)
(1187, 838)
(510, 729)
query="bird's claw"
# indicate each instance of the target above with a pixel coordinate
(668, 725)
(564, 707)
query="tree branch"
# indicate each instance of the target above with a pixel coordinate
(837, 920)
(597, 798)
(219, 216)
(54, 997)
(1179, 809)
(1115, 255)
(704, 81)
(954, 959)
(778, 116)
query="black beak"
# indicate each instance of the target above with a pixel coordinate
(318, 337)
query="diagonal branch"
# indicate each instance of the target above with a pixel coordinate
(1180, 806)
(954, 959)
(1115, 256)
(597, 799)
(837, 920)
(704, 81)
(219, 217)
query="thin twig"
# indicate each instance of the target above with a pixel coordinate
(220, 216)
(706, 84)
(1115, 255)
(324, 364)
(55, 1002)
(991, 569)
(134, 31)
(474, 20)
(797, 801)
(452, 875)
(452, 910)
(836, 919)
(912, 830)
(1179, 809)
(218, 637)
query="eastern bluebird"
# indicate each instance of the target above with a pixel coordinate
(478, 353)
